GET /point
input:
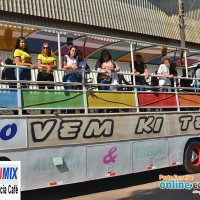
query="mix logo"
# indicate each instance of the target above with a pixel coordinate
(8, 172)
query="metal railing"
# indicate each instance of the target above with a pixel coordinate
(149, 88)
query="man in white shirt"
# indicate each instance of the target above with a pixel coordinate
(164, 71)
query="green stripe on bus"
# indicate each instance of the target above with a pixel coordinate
(52, 99)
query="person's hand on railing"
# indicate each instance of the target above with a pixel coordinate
(107, 72)
(88, 71)
(147, 76)
(74, 67)
(166, 76)
(113, 69)
(137, 73)
(33, 66)
(49, 69)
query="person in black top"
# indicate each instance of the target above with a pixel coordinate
(172, 70)
(9, 73)
(155, 82)
(140, 68)
(185, 82)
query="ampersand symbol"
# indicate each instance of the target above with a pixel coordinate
(109, 157)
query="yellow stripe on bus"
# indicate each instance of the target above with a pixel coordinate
(106, 100)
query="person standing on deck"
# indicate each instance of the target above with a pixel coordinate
(172, 70)
(140, 68)
(23, 58)
(70, 66)
(164, 71)
(106, 64)
(82, 65)
(48, 61)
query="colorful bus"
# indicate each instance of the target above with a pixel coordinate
(110, 132)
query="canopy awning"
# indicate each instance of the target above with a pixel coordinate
(91, 46)
(10, 33)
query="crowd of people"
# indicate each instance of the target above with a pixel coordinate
(74, 61)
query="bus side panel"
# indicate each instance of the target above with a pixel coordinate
(13, 133)
(38, 170)
(149, 154)
(176, 149)
(108, 160)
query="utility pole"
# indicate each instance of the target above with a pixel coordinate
(181, 22)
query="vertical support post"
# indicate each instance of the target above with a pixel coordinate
(132, 63)
(186, 65)
(134, 83)
(177, 98)
(181, 22)
(84, 91)
(19, 93)
(59, 73)
(59, 52)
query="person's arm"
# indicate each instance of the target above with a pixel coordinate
(147, 73)
(3, 76)
(87, 68)
(72, 66)
(163, 75)
(20, 63)
(136, 72)
(97, 66)
(51, 67)
(117, 69)
(159, 73)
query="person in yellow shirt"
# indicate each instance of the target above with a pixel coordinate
(46, 60)
(23, 58)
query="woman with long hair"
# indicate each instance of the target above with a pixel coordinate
(46, 60)
(23, 58)
(106, 64)
(70, 64)
(83, 66)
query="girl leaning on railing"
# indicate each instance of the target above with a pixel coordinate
(23, 58)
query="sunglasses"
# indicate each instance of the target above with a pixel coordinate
(79, 54)
(45, 47)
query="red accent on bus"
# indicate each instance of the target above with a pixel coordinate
(0, 173)
(54, 183)
(149, 168)
(157, 100)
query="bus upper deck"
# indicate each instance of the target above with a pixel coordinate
(90, 96)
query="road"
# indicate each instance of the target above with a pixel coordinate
(140, 186)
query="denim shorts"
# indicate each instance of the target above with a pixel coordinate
(69, 78)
